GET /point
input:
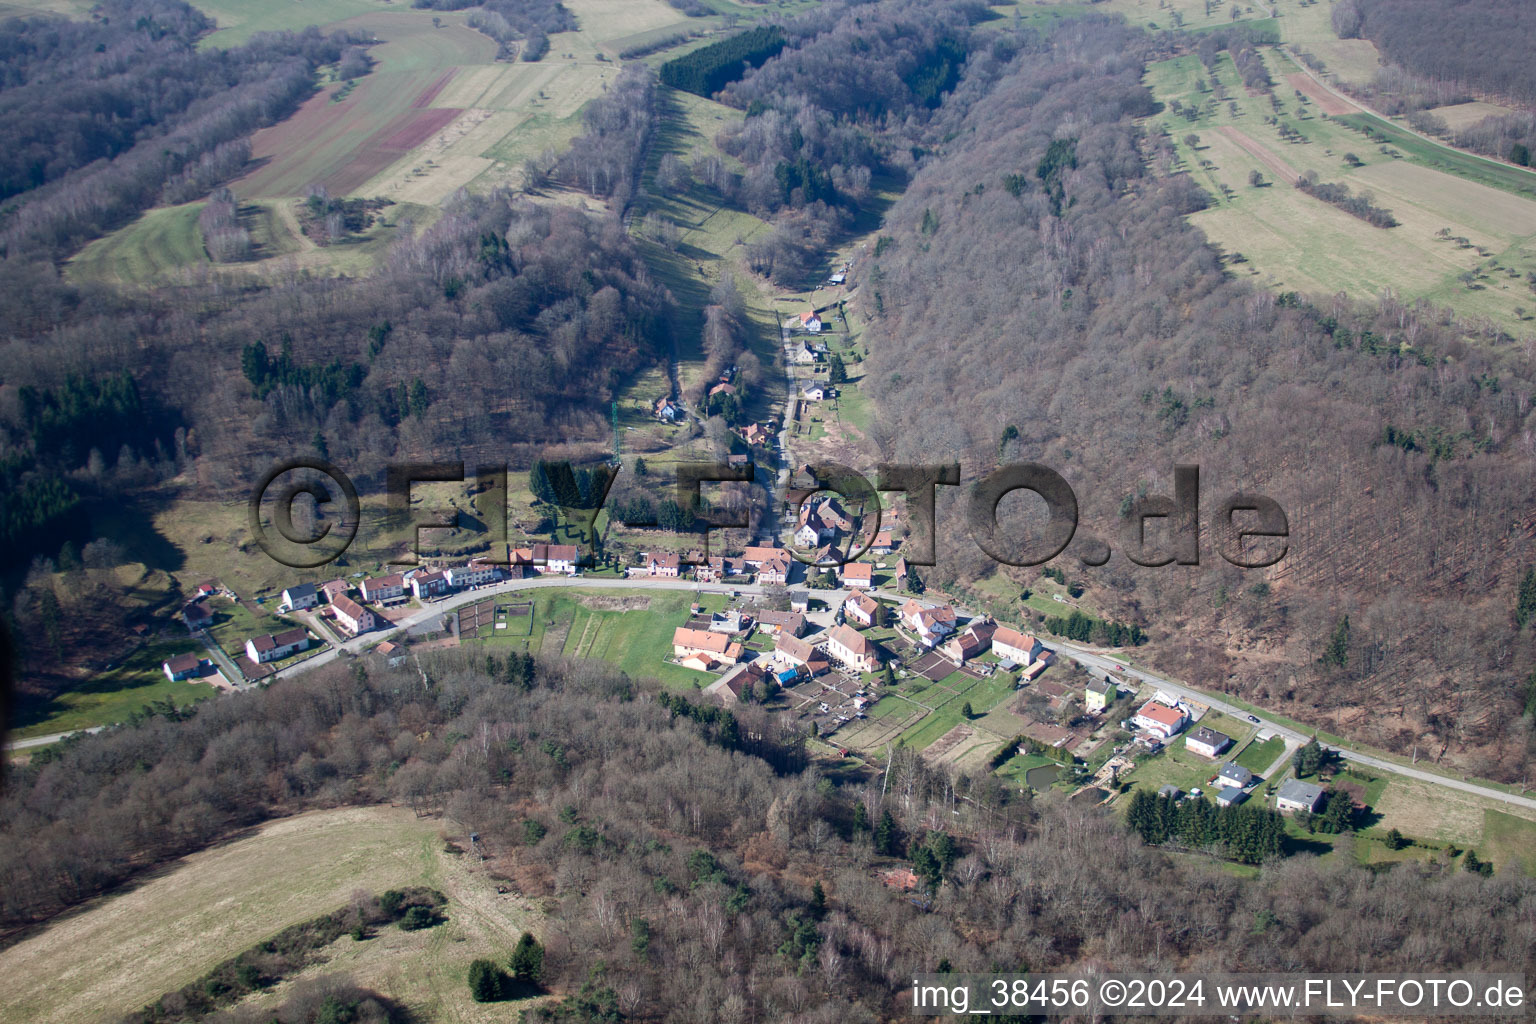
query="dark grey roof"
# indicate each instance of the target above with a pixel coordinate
(1211, 737)
(1236, 772)
(1231, 795)
(1300, 792)
(302, 590)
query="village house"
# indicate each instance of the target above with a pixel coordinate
(716, 646)
(754, 434)
(557, 558)
(776, 571)
(756, 556)
(818, 393)
(722, 389)
(305, 595)
(277, 646)
(1233, 774)
(1295, 795)
(383, 589)
(745, 683)
(1207, 742)
(862, 609)
(208, 588)
(733, 620)
(334, 589)
(901, 571)
(717, 568)
(1158, 719)
(475, 574)
(197, 615)
(803, 354)
(739, 459)
(774, 623)
(185, 666)
(801, 655)
(1100, 694)
(931, 624)
(1019, 648)
(809, 321)
(857, 574)
(352, 617)
(429, 584)
(666, 563)
(882, 544)
(969, 644)
(666, 410)
(800, 601)
(852, 648)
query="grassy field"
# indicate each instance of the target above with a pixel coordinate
(111, 696)
(1257, 757)
(1292, 241)
(240, 19)
(633, 632)
(343, 145)
(125, 950)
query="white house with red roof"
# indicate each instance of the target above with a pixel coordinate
(1159, 719)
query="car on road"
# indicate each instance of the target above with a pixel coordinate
(1254, 719)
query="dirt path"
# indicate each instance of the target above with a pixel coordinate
(1327, 101)
(1279, 167)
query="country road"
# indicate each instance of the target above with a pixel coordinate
(1086, 656)
(1365, 108)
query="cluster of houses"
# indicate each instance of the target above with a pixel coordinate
(765, 565)
(1164, 717)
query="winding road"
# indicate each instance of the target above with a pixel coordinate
(1086, 656)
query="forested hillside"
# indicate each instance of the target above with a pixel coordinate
(759, 890)
(102, 119)
(1040, 296)
(1483, 45)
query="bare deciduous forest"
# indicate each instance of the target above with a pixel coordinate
(621, 806)
(1039, 275)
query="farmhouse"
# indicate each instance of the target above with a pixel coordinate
(429, 584)
(277, 646)
(382, 589)
(852, 648)
(668, 563)
(1100, 694)
(1158, 719)
(185, 666)
(1295, 795)
(1207, 742)
(862, 609)
(719, 646)
(305, 595)
(1233, 774)
(353, 617)
(1011, 645)
(857, 574)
